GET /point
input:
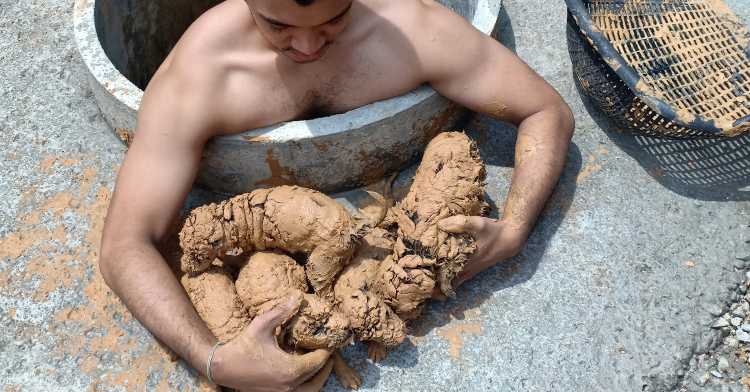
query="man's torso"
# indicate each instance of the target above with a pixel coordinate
(373, 59)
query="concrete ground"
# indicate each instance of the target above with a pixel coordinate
(632, 261)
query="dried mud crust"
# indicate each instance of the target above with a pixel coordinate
(217, 303)
(405, 284)
(290, 218)
(449, 181)
(269, 278)
(702, 73)
(356, 296)
(396, 268)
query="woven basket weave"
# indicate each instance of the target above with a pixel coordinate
(677, 68)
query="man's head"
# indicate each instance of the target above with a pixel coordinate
(300, 29)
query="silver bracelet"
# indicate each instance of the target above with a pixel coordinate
(210, 359)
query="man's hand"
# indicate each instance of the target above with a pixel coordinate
(253, 360)
(497, 240)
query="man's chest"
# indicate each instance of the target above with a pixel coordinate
(339, 88)
(344, 92)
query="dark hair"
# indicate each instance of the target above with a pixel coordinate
(304, 2)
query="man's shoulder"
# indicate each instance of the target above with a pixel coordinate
(412, 14)
(424, 23)
(204, 63)
(210, 41)
(438, 39)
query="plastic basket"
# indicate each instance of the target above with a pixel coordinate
(676, 68)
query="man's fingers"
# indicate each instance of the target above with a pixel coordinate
(461, 279)
(454, 224)
(306, 365)
(281, 313)
(316, 383)
(438, 295)
(461, 224)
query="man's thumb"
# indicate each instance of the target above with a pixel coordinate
(455, 224)
(279, 314)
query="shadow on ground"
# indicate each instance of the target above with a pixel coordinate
(712, 169)
(505, 33)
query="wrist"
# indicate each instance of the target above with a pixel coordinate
(198, 354)
(214, 365)
(514, 234)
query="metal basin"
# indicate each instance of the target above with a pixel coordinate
(123, 42)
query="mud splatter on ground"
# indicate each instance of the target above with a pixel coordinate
(455, 335)
(592, 165)
(53, 255)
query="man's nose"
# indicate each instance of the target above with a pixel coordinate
(308, 42)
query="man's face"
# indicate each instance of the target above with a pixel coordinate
(302, 33)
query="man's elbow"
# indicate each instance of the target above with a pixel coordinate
(113, 257)
(108, 254)
(562, 116)
(569, 120)
(553, 118)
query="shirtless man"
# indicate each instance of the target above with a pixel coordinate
(246, 64)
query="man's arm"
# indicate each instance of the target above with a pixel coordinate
(479, 73)
(177, 114)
